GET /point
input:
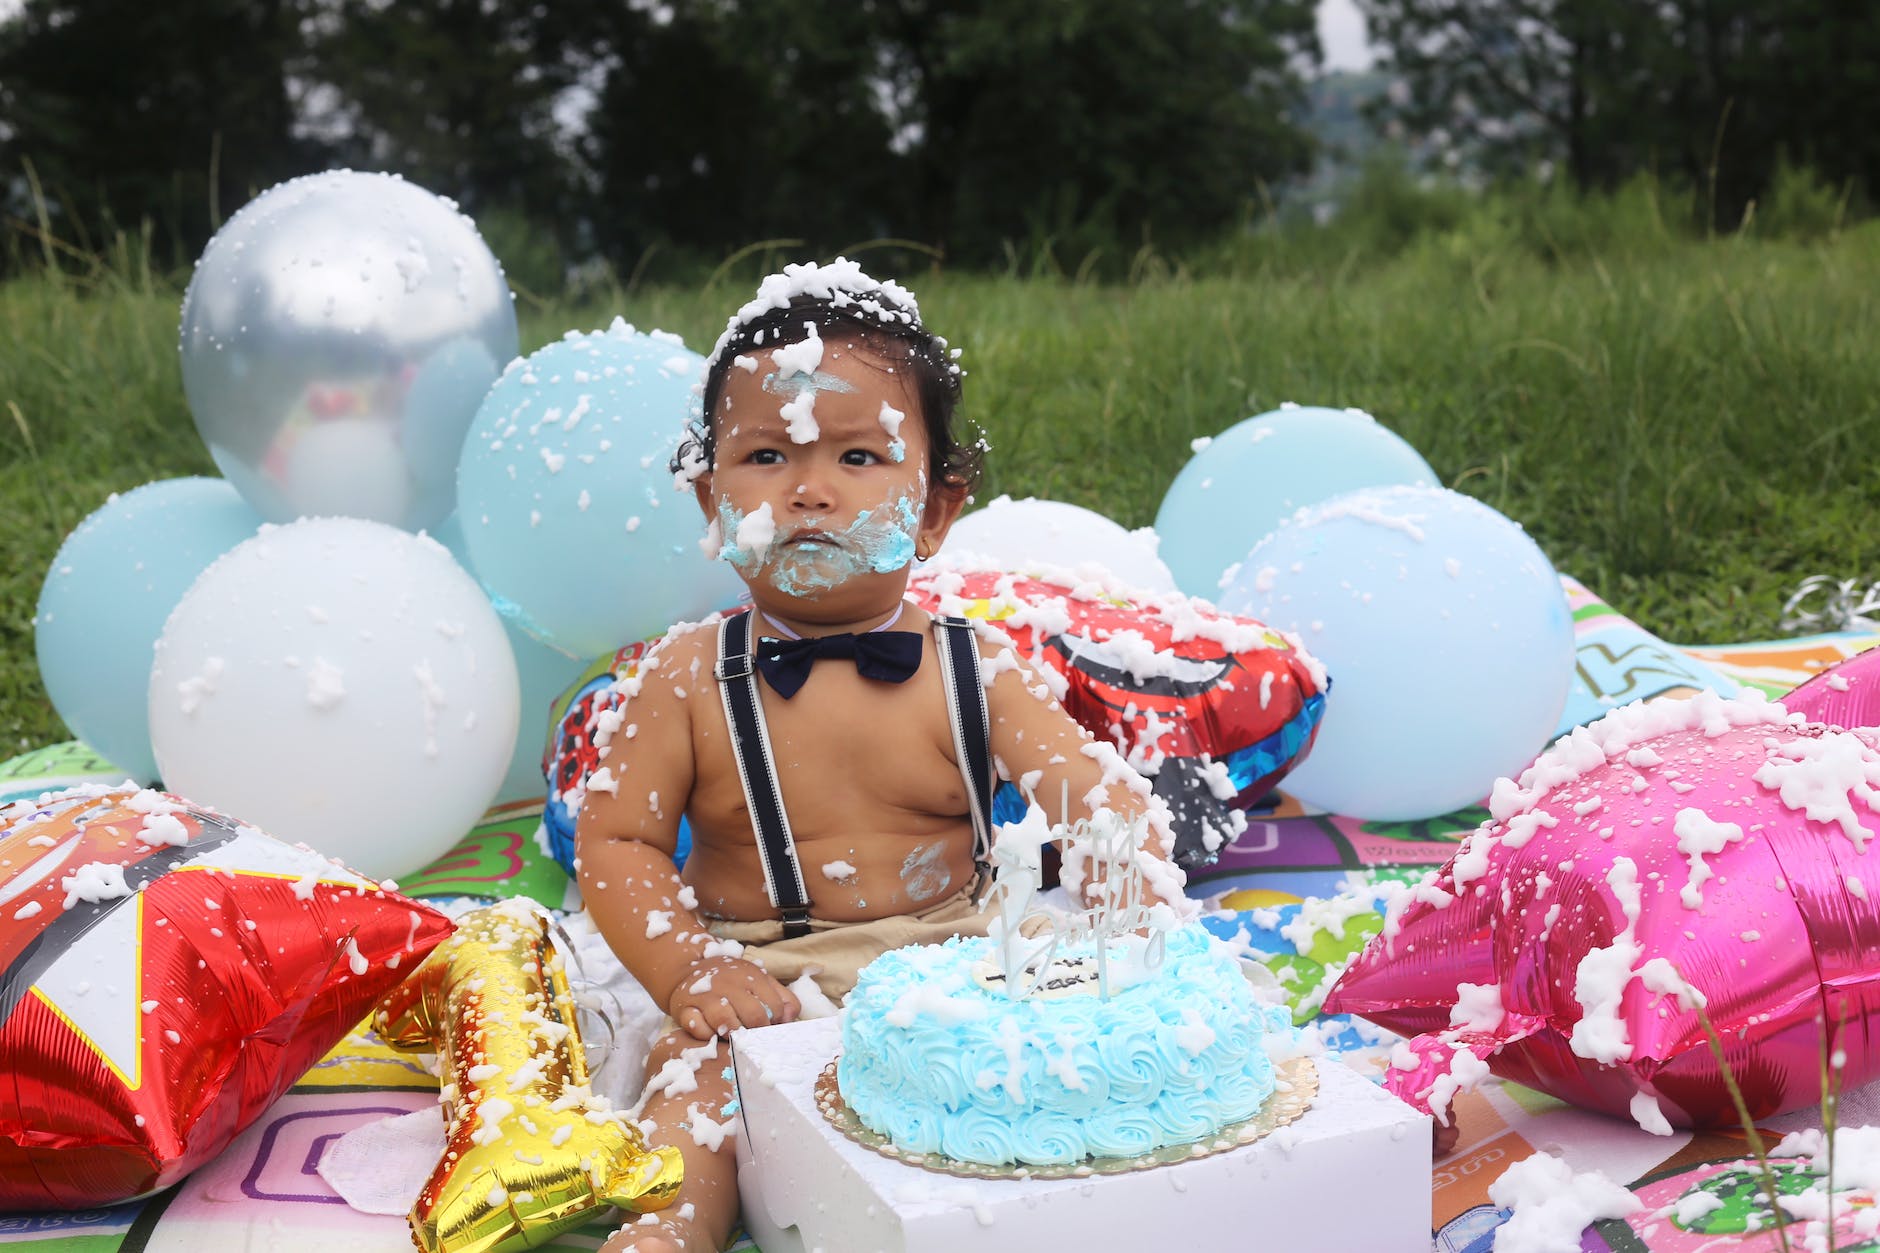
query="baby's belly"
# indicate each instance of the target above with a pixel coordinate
(847, 878)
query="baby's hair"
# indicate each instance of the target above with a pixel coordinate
(841, 302)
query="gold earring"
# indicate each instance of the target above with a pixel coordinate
(923, 550)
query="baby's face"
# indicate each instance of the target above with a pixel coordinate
(818, 489)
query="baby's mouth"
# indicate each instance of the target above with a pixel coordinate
(810, 539)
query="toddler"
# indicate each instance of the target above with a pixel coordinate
(834, 747)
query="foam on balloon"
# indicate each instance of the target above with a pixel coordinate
(343, 683)
(567, 504)
(337, 335)
(1035, 534)
(1677, 868)
(1447, 629)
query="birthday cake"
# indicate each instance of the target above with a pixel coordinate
(1161, 1043)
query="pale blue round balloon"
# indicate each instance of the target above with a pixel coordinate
(568, 509)
(1447, 636)
(1244, 482)
(544, 674)
(105, 599)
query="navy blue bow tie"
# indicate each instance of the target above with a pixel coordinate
(889, 656)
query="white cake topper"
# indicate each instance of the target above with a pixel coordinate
(1028, 965)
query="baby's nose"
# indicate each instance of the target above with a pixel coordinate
(812, 493)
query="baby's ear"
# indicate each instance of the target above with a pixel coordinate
(702, 489)
(945, 502)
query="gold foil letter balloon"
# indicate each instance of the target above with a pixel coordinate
(529, 1151)
(337, 337)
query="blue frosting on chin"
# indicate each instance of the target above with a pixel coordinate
(939, 1063)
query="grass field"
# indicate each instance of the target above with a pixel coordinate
(1687, 426)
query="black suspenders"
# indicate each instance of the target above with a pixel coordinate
(750, 743)
(958, 652)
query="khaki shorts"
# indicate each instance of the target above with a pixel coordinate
(835, 952)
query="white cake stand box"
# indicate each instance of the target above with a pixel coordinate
(1352, 1173)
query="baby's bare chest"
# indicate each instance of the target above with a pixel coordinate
(842, 744)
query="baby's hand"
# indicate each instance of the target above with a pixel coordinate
(721, 994)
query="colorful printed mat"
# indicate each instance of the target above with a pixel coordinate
(265, 1190)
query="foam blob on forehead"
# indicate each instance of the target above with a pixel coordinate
(842, 283)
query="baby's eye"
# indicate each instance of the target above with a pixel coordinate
(766, 457)
(859, 457)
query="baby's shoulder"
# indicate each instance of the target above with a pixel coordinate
(679, 660)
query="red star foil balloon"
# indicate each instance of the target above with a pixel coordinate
(1676, 862)
(165, 974)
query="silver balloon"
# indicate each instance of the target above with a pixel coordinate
(338, 335)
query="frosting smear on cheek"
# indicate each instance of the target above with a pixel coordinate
(878, 541)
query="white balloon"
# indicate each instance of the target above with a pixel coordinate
(341, 683)
(1035, 534)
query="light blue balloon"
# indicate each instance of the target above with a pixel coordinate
(568, 508)
(105, 600)
(543, 672)
(1244, 482)
(1447, 636)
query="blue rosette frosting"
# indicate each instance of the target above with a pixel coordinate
(938, 1061)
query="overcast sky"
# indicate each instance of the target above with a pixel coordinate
(1341, 33)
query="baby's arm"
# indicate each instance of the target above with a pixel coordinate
(1056, 762)
(625, 839)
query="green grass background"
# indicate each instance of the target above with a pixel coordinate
(1687, 425)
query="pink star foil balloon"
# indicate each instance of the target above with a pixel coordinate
(1674, 860)
(1848, 695)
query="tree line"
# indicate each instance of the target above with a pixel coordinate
(1721, 95)
(965, 129)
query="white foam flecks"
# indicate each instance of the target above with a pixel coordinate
(658, 923)
(1364, 511)
(803, 357)
(1698, 835)
(191, 692)
(1477, 1007)
(756, 531)
(1466, 1072)
(1194, 1037)
(799, 417)
(1823, 777)
(94, 882)
(708, 1133)
(1589, 747)
(326, 684)
(163, 828)
(842, 282)
(1521, 827)
(1692, 1206)
(1660, 976)
(1603, 973)
(1552, 1205)
(838, 870)
(1648, 1115)
(1328, 916)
